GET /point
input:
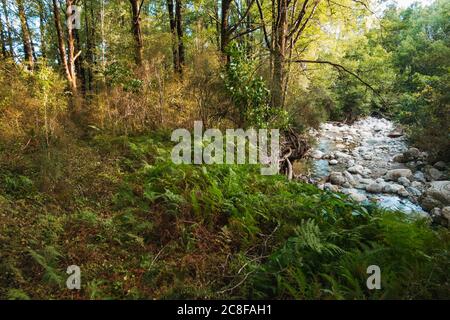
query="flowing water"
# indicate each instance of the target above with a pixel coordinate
(367, 145)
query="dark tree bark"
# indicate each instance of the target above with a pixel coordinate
(26, 37)
(136, 29)
(279, 54)
(90, 44)
(173, 32)
(3, 40)
(179, 24)
(288, 25)
(229, 31)
(176, 30)
(224, 29)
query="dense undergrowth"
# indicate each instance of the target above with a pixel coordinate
(141, 227)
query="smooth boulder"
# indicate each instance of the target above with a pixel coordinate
(394, 174)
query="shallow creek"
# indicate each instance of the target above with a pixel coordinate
(362, 153)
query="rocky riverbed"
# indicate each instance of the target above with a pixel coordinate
(370, 161)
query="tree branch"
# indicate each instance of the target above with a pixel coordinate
(342, 68)
(261, 15)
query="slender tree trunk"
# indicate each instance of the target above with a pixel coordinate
(279, 54)
(62, 48)
(26, 37)
(8, 28)
(3, 40)
(179, 23)
(173, 32)
(217, 23)
(90, 34)
(79, 64)
(137, 33)
(248, 25)
(71, 55)
(224, 29)
(176, 30)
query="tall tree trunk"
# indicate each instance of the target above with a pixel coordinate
(179, 23)
(136, 28)
(173, 32)
(8, 28)
(279, 54)
(26, 37)
(224, 29)
(176, 30)
(3, 40)
(62, 48)
(71, 55)
(90, 50)
(79, 64)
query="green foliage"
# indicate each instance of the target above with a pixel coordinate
(369, 60)
(321, 243)
(217, 231)
(249, 93)
(419, 43)
(17, 294)
(15, 184)
(120, 74)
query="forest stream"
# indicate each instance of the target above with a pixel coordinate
(370, 160)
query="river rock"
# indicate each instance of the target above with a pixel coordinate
(379, 180)
(399, 158)
(333, 162)
(394, 174)
(441, 216)
(413, 191)
(317, 154)
(343, 155)
(350, 179)
(358, 169)
(391, 188)
(419, 176)
(437, 195)
(440, 165)
(365, 181)
(445, 212)
(330, 187)
(432, 173)
(378, 172)
(395, 134)
(355, 195)
(374, 188)
(416, 184)
(411, 154)
(337, 178)
(403, 192)
(404, 181)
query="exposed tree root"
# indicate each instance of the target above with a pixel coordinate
(292, 147)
